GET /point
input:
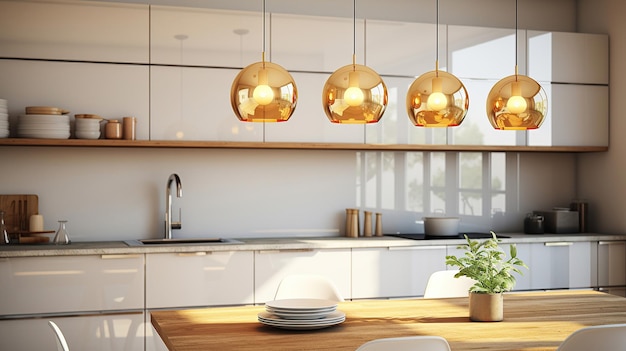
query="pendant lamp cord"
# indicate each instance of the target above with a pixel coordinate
(437, 40)
(354, 35)
(516, 67)
(263, 21)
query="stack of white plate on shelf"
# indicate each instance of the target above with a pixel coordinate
(301, 314)
(87, 126)
(44, 123)
(4, 119)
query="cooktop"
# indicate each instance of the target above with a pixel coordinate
(423, 236)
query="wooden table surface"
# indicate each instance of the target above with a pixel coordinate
(532, 321)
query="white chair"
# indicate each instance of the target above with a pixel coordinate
(407, 343)
(443, 284)
(61, 343)
(599, 337)
(307, 286)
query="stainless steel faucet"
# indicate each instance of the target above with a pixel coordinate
(169, 225)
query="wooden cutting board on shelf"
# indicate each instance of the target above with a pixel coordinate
(17, 211)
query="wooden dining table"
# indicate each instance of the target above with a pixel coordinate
(532, 321)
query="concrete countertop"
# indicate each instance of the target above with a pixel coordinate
(268, 244)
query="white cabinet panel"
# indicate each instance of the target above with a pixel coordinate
(309, 122)
(270, 267)
(71, 284)
(556, 265)
(199, 279)
(109, 90)
(568, 57)
(314, 43)
(204, 37)
(578, 115)
(74, 30)
(194, 104)
(612, 264)
(108, 332)
(394, 271)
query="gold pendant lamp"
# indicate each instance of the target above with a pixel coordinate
(437, 98)
(354, 94)
(516, 102)
(263, 91)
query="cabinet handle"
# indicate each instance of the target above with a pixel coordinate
(284, 250)
(560, 243)
(191, 254)
(610, 242)
(398, 248)
(117, 256)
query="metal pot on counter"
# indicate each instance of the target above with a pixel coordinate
(441, 226)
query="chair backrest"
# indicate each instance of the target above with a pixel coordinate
(407, 343)
(61, 343)
(444, 284)
(307, 286)
(599, 337)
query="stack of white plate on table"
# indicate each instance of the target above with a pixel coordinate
(87, 126)
(44, 123)
(4, 119)
(301, 314)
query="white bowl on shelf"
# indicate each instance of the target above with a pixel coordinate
(87, 134)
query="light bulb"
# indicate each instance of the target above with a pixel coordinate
(353, 96)
(437, 101)
(516, 103)
(263, 94)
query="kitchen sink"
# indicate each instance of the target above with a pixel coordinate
(196, 241)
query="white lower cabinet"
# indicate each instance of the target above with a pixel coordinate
(97, 300)
(271, 266)
(104, 332)
(394, 271)
(612, 267)
(557, 265)
(189, 279)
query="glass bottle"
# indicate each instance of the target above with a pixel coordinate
(61, 237)
(4, 240)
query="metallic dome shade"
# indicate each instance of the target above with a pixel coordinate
(374, 91)
(280, 81)
(450, 116)
(533, 94)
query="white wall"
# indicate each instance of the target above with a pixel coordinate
(602, 177)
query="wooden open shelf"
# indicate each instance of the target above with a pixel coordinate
(290, 145)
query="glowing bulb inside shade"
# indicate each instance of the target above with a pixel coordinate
(353, 96)
(263, 94)
(516, 103)
(437, 101)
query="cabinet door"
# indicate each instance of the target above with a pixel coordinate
(574, 124)
(560, 57)
(74, 30)
(612, 266)
(72, 284)
(557, 265)
(106, 332)
(394, 271)
(199, 279)
(270, 267)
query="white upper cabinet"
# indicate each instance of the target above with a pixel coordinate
(568, 57)
(205, 37)
(314, 43)
(74, 30)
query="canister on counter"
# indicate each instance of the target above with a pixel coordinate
(580, 206)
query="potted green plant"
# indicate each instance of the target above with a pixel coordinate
(486, 263)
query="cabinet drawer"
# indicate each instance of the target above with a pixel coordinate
(36, 285)
(199, 279)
